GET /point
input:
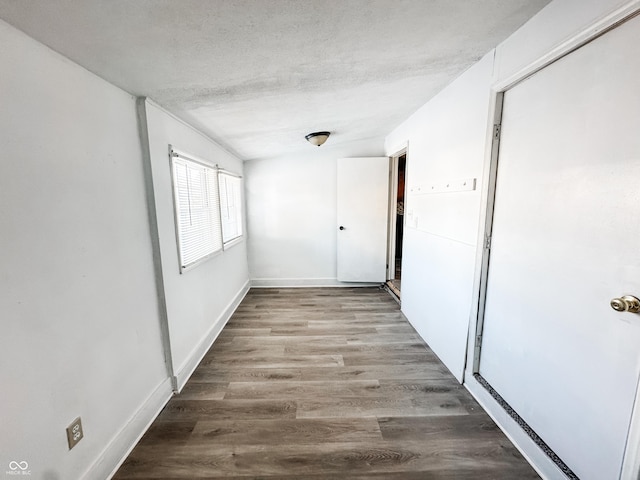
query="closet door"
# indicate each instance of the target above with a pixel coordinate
(363, 202)
(565, 242)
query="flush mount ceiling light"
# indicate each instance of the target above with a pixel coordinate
(317, 138)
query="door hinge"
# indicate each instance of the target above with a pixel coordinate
(496, 131)
(487, 242)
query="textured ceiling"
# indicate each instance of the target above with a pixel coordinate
(257, 75)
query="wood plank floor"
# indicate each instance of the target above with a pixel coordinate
(322, 384)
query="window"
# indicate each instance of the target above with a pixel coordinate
(230, 207)
(197, 210)
(208, 208)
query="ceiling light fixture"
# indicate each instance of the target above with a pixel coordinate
(317, 138)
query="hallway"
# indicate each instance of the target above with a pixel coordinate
(323, 383)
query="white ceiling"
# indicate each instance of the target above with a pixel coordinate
(257, 75)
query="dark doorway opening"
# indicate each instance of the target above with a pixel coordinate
(396, 274)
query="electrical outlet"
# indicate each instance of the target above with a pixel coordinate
(74, 433)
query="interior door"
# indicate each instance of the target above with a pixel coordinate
(566, 228)
(363, 203)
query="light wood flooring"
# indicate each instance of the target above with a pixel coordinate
(323, 384)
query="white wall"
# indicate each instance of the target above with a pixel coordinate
(446, 141)
(83, 317)
(80, 323)
(200, 301)
(291, 212)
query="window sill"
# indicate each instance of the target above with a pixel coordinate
(233, 242)
(200, 261)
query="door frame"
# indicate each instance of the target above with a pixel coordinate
(512, 426)
(393, 198)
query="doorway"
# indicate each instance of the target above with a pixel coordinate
(557, 347)
(396, 222)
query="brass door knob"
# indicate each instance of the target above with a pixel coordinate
(628, 303)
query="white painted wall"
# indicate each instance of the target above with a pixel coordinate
(446, 141)
(80, 324)
(291, 212)
(201, 300)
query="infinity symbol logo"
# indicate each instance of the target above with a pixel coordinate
(18, 465)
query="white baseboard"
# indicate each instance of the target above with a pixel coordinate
(119, 448)
(116, 452)
(195, 357)
(529, 449)
(305, 282)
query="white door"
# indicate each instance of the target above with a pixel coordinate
(363, 203)
(565, 242)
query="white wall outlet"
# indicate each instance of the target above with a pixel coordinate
(74, 432)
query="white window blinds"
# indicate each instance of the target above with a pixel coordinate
(197, 210)
(230, 207)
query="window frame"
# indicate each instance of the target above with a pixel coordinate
(240, 208)
(214, 210)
